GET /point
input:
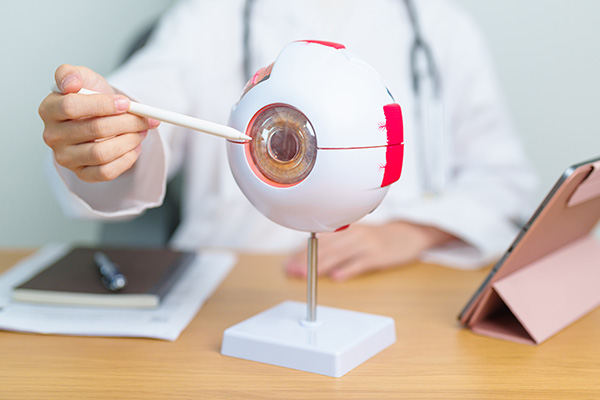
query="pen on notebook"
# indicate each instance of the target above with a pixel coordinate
(112, 278)
(174, 118)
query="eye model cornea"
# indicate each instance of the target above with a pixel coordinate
(283, 148)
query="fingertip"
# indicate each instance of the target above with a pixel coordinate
(292, 268)
(345, 273)
(338, 276)
(295, 273)
(153, 123)
(121, 103)
(70, 84)
(67, 79)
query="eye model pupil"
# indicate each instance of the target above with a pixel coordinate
(283, 145)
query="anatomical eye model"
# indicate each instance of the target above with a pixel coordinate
(327, 138)
(327, 141)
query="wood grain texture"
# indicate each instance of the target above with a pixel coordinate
(433, 358)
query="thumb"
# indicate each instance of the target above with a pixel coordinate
(71, 79)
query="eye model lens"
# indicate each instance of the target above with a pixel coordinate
(283, 146)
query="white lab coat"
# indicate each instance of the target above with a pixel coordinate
(193, 65)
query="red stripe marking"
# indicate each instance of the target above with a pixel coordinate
(394, 155)
(324, 43)
(341, 228)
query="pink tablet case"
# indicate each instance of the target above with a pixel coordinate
(550, 276)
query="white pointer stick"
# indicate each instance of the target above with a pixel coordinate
(174, 118)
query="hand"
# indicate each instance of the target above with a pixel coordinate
(91, 134)
(365, 248)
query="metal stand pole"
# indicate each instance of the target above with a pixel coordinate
(311, 284)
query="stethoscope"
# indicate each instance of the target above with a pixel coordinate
(427, 91)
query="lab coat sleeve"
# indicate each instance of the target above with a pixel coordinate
(155, 75)
(490, 183)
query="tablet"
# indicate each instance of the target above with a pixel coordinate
(556, 248)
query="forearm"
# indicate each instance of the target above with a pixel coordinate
(427, 237)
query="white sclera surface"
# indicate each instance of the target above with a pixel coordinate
(343, 186)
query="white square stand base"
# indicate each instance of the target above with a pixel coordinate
(339, 341)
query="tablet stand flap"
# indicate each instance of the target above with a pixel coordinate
(589, 188)
(556, 290)
(495, 319)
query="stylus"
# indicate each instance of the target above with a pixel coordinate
(174, 118)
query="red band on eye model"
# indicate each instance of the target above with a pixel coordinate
(324, 43)
(394, 153)
(341, 228)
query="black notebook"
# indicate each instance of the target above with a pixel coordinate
(75, 280)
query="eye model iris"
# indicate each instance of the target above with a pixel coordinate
(283, 146)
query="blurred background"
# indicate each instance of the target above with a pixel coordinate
(545, 51)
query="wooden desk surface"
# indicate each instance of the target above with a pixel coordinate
(433, 357)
